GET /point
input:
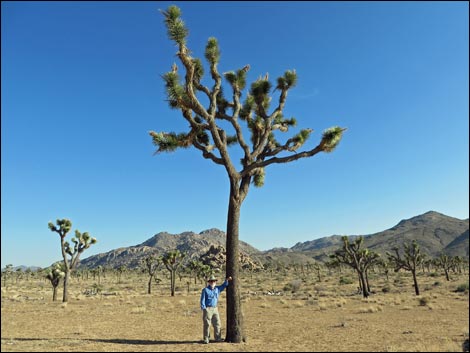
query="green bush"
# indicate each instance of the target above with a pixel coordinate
(423, 301)
(345, 280)
(462, 288)
(386, 289)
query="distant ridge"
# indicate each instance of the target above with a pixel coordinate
(435, 232)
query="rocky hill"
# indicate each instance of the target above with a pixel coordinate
(193, 244)
(434, 232)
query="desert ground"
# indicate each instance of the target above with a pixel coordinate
(306, 315)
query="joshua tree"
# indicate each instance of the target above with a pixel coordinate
(54, 274)
(172, 261)
(359, 259)
(81, 241)
(150, 265)
(411, 262)
(7, 273)
(445, 261)
(205, 134)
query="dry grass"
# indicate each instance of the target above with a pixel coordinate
(322, 316)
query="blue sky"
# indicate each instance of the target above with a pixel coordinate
(81, 88)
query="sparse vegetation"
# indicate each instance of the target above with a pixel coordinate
(322, 316)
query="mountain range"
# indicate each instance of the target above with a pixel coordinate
(436, 233)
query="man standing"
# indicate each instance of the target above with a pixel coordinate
(209, 298)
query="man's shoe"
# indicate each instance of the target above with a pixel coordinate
(205, 341)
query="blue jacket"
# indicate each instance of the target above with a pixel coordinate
(210, 296)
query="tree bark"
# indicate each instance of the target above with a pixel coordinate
(415, 282)
(365, 292)
(54, 293)
(235, 332)
(65, 297)
(149, 288)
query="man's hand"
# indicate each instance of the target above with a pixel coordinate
(229, 278)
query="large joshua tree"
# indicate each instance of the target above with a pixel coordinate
(205, 134)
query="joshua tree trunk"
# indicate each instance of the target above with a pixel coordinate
(365, 292)
(172, 283)
(54, 293)
(149, 289)
(65, 296)
(234, 311)
(415, 282)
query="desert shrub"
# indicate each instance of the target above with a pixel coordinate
(345, 280)
(296, 285)
(423, 301)
(462, 288)
(386, 289)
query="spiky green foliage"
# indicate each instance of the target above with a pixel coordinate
(198, 69)
(175, 91)
(259, 90)
(236, 79)
(287, 81)
(82, 241)
(55, 273)
(169, 142)
(331, 138)
(212, 52)
(176, 28)
(63, 227)
(247, 107)
(298, 140)
(258, 178)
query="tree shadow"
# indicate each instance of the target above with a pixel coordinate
(106, 340)
(137, 342)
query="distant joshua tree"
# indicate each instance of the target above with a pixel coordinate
(150, 265)
(359, 259)
(7, 273)
(172, 261)
(411, 262)
(206, 134)
(446, 262)
(81, 242)
(54, 275)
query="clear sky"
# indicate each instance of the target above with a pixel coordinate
(81, 88)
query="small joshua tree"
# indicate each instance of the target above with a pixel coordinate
(358, 258)
(445, 261)
(81, 242)
(411, 262)
(7, 274)
(172, 261)
(54, 275)
(263, 124)
(150, 265)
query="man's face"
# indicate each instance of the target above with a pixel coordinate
(212, 284)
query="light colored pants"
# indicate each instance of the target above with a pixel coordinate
(211, 315)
